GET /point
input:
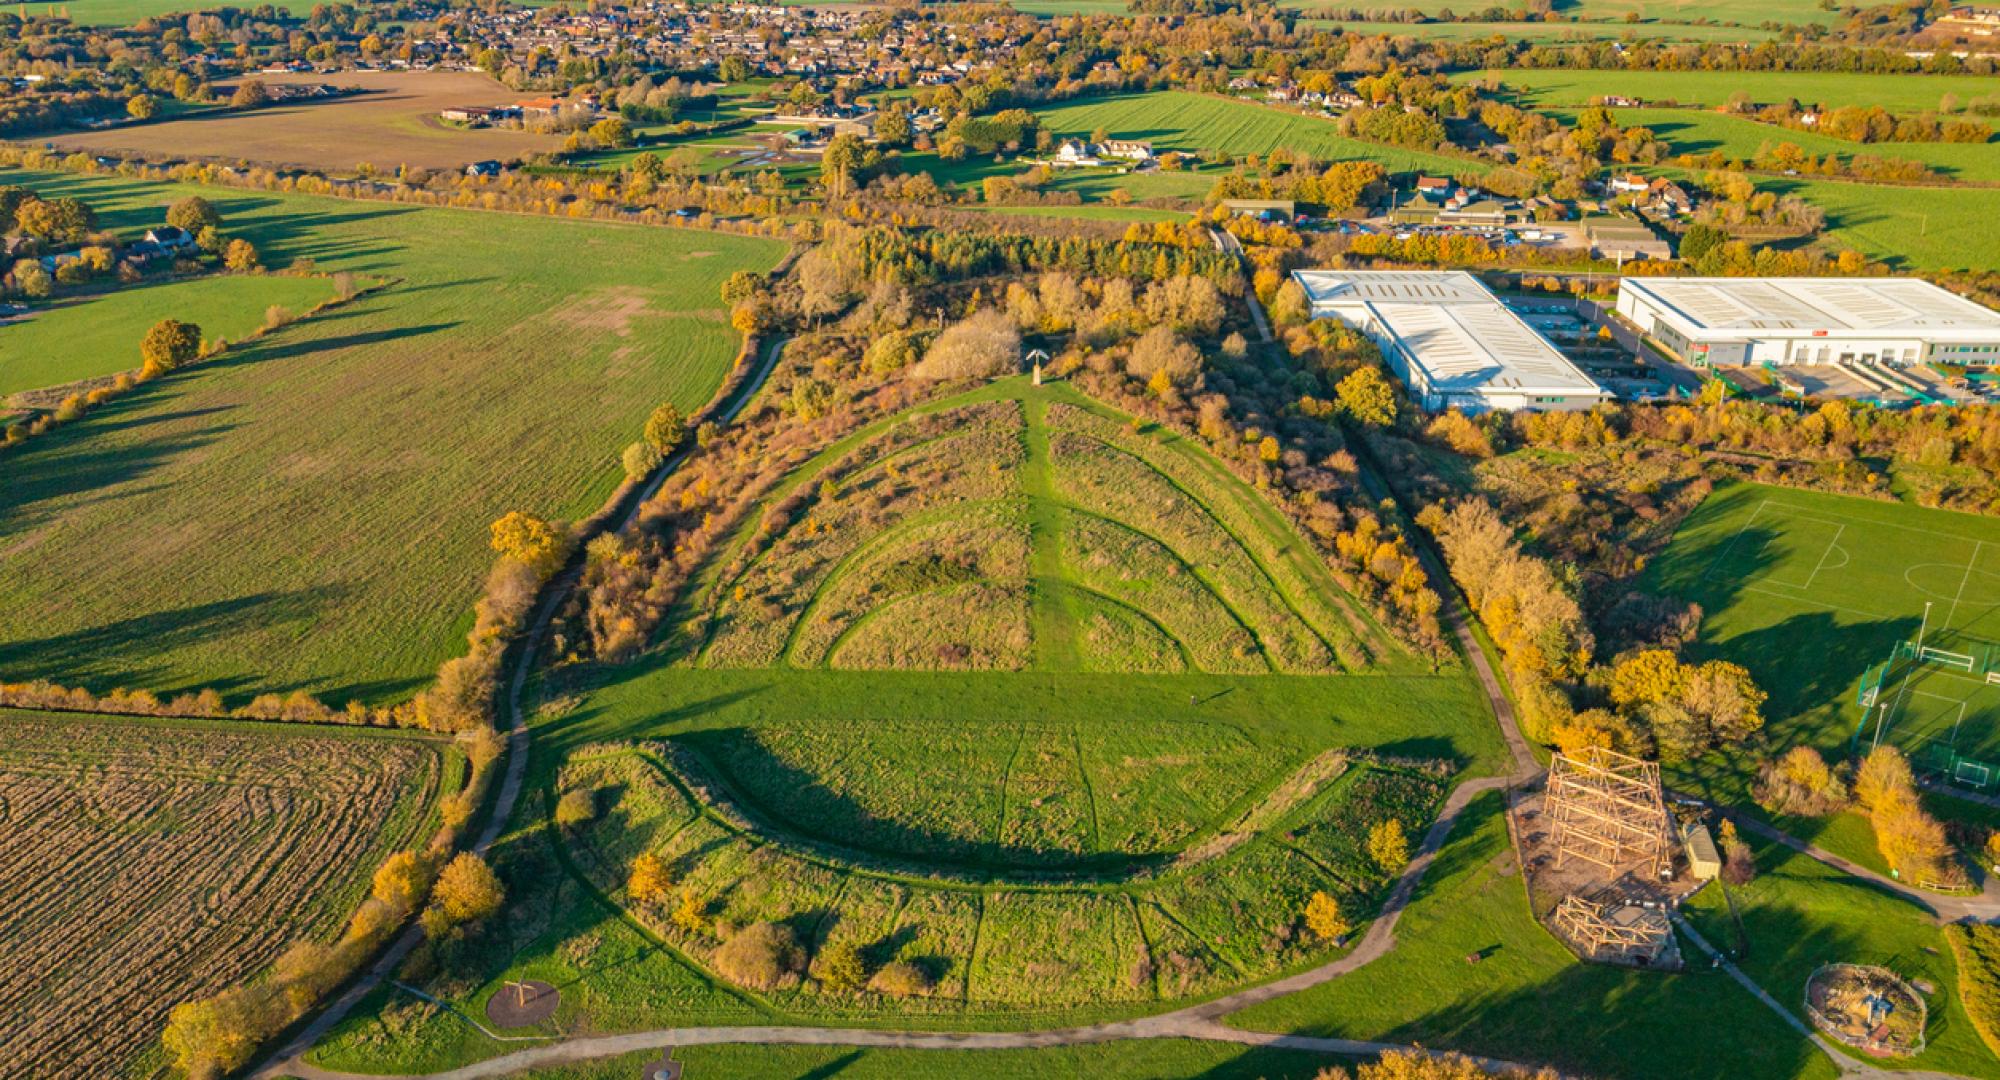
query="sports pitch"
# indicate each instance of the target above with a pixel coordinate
(1816, 593)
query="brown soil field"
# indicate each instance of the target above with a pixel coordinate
(396, 123)
(147, 863)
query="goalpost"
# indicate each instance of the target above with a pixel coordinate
(1929, 655)
(1971, 772)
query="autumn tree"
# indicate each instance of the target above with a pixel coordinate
(612, 131)
(649, 881)
(1388, 846)
(217, 1035)
(1883, 774)
(467, 890)
(1324, 919)
(168, 345)
(1421, 1065)
(762, 956)
(530, 541)
(240, 256)
(142, 107)
(1367, 397)
(399, 881)
(193, 214)
(665, 428)
(250, 95)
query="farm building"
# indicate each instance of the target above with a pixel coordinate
(1450, 340)
(1811, 320)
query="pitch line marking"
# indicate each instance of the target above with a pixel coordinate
(1737, 538)
(1831, 546)
(1956, 597)
(1815, 603)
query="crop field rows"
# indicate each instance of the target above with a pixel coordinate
(1811, 592)
(914, 552)
(1198, 924)
(146, 864)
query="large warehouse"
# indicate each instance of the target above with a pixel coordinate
(1453, 343)
(1811, 320)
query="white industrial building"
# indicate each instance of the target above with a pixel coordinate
(1451, 340)
(1899, 321)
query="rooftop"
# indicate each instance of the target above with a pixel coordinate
(1732, 306)
(1459, 333)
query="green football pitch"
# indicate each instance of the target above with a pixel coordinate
(1826, 599)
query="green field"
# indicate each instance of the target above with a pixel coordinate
(1927, 228)
(1776, 569)
(1550, 32)
(1189, 122)
(94, 335)
(311, 511)
(1548, 88)
(1528, 999)
(118, 12)
(1697, 131)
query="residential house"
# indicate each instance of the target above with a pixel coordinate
(483, 168)
(1630, 184)
(1126, 150)
(1074, 154)
(171, 238)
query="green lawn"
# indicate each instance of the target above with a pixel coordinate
(1899, 93)
(311, 511)
(1774, 567)
(1527, 999)
(1799, 914)
(85, 337)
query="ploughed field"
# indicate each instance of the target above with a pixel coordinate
(393, 122)
(311, 510)
(144, 863)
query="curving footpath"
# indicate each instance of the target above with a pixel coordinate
(1201, 1021)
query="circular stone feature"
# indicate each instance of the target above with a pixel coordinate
(520, 1004)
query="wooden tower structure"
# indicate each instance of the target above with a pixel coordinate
(1631, 933)
(1605, 808)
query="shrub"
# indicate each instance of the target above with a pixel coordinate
(1388, 846)
(649, 881)
(842, 967)
(902, 979)
(762, 956)
(1801, 782)
(1976, 948)
(575, 808)
(1324, 919)
(982, 345)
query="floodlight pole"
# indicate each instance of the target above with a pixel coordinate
(1881, 712)
(1922, 629)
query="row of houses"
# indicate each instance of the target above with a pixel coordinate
(1076, 153)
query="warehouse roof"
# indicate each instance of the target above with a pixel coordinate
(1448, 324)
(1783, 307)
